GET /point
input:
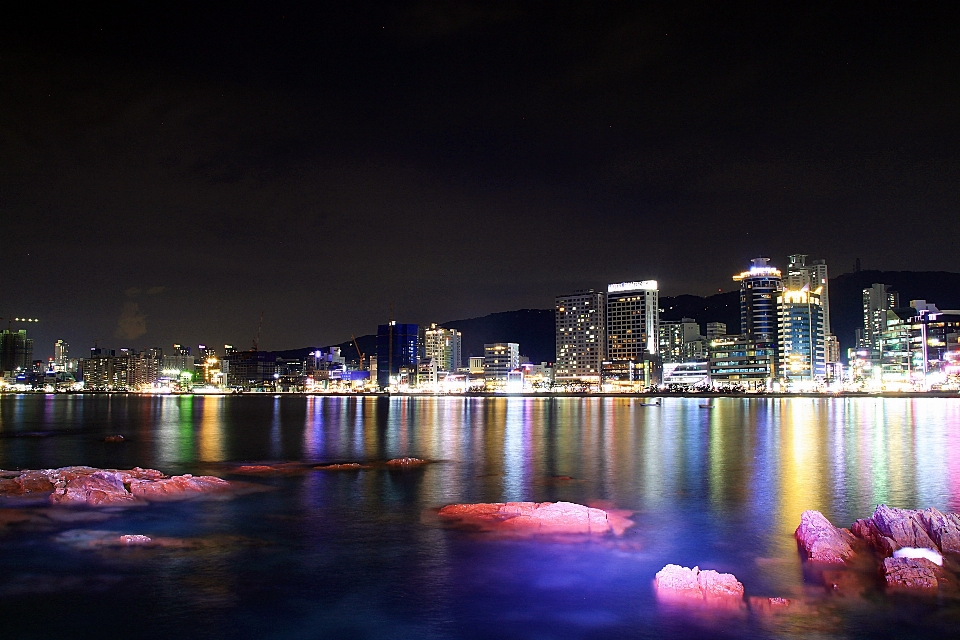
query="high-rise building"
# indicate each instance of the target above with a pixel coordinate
(397, 352)
(443, 346)
(877, 300)
(715, 329)
(633, 321)
(741, 362)
(759, 317)
(61, 355)
(580, 335)
(499, 359)
(16, 350)
(814, 276)
(802, 354)
(680, 340)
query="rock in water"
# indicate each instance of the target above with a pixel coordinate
(943, 528)
(176, 487)
(524, 518)
(100, 488)
(723, 589)
(405, 462)
(116, 438)
(135, 540)
(822, 541)
(679, 580)
(904, 526)
(912, 573)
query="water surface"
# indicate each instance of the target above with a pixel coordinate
(361, 555)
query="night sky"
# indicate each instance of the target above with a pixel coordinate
(169, 172)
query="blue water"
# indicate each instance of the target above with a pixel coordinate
(320, 554)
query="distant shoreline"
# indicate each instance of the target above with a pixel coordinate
(549, 394)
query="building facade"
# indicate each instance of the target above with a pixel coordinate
(397, 352)
(443, 346)
(877, 300)
(760, 287)
(499, 359)
(633, 321)
(802, 339)
(580, 335)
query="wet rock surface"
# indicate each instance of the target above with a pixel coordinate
(405, 462)
(822, 541)
(345, 466)
(89, 486)
(906, 546)
(531, 518)
(683, 584)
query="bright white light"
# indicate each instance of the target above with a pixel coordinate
(643, 285)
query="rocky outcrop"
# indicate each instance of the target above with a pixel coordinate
(912, 573)
(910, 543)
(526, 518)
(135, 540)
(676, 582)
(101, 488)
(176, 487)
(822, 541)
(106, 487)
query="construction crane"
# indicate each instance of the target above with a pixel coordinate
(359, 353)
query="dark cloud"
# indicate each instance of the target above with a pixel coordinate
(318, 162)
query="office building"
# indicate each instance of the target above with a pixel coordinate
(814, 276)
(443, 346)
(397, 352)
(741, 362)
(760, 287)
(499, 359)
(715, 329)
(16, 350)
(877, 300)
(580, 335)
(633, 321)
(802, 352)
(680, 340)
(61, 355)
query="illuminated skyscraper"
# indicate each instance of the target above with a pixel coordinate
(633, 336)
(759, 319)
(877, 300)
(581, 335)
(61, 355)
(680, 340)
(499, 359)
(16, 350)
(633, 321)
(801, 346)
(443, 346)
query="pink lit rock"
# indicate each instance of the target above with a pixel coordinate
(116, 438)
(944, 529)
(681, 581)
(346, 466)
(176, 487)
(822, 541)
(101, 488)
(912, 573)
(525, 518)
(135, 540)
(719, 590)
(904, 526)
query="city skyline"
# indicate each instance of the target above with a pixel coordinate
(171, 176)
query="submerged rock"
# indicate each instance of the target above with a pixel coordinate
(345, 466)
(135, 539)
(525, 518)
(405, 462)
(116, 438)
(822, 541)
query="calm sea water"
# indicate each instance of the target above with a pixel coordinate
(361, 555)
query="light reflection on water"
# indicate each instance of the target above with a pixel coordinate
(360, 553)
